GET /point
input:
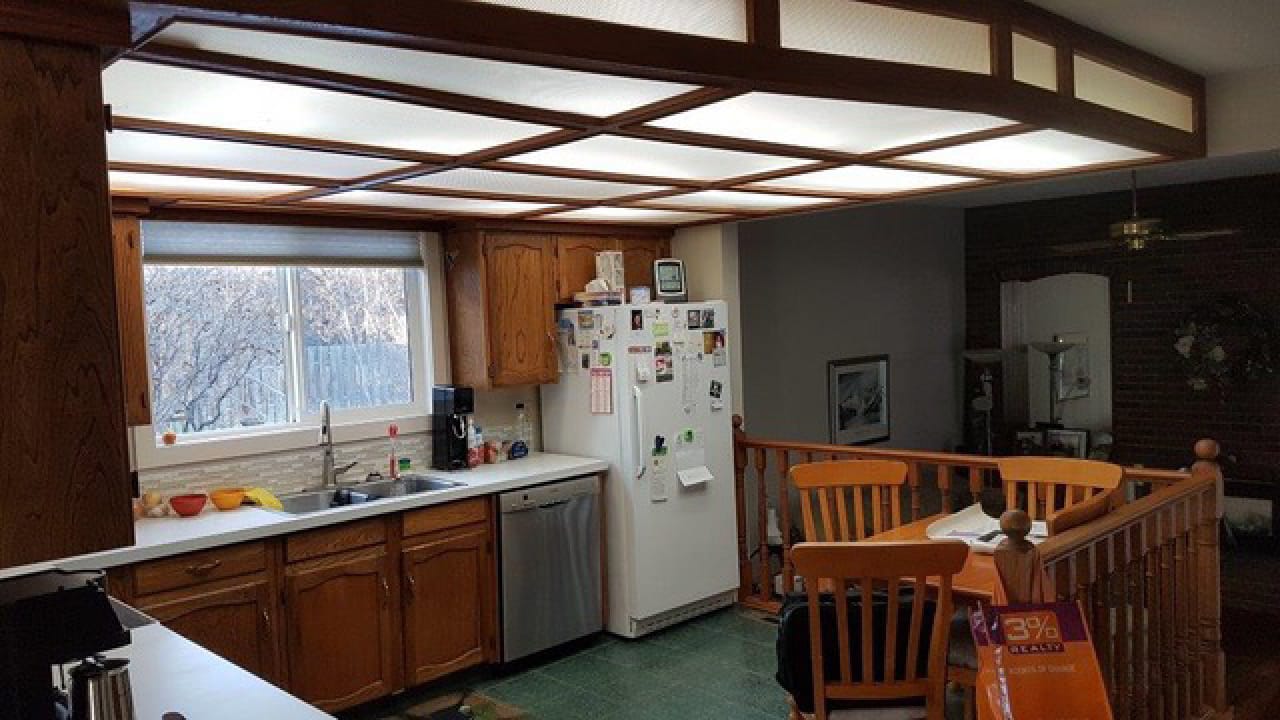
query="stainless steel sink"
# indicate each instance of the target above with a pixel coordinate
(360, 493)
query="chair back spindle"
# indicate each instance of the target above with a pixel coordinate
(854, 498)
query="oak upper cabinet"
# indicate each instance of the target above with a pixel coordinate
(342, 628)
(449, 600)
(501, 292)
(638, 254)
(234, 619)
(126, 241)
(576, 262)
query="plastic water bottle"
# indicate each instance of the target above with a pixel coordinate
(523, 431)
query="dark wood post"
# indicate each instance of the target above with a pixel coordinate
(1209, 579)
(740, 500)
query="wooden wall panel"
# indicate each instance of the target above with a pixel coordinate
(131, 311)
(65, 470)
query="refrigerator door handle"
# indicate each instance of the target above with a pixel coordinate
(640, 464)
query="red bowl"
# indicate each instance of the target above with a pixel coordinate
(188, 505)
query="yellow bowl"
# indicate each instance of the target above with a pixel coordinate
(227, 498)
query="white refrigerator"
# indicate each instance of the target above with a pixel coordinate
(646, 388)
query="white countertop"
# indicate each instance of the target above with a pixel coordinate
(163, 537)
(169, 673)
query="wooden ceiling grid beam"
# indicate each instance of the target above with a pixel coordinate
(222, 174)
(504, 33)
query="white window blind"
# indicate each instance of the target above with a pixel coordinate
(218, 243)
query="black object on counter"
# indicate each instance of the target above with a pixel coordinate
(451, 409)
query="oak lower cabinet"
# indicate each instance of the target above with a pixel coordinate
(449, 602)
(235, 619)
(342, 630)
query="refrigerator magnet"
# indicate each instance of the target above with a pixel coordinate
(586, 320)
(694, 320)
(661, 329)
(637, 320)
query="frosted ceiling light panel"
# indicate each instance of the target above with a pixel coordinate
(430, 203)
(610, 153)
(194, 97)
(513, 183)
(155, 149)
(196, 187)
(1033, 152)
(543, 87)
(866, 180)
(630, 215)
(878, 32)
(725, 19)
(734, 200)
(847, 126)
(1116, 89)
(1035, 62)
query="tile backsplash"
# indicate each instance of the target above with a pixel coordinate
(294, 470)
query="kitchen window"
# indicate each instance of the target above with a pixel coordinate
(251, 328)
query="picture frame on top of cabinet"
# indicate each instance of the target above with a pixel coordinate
(858, 400)
(1066, 443)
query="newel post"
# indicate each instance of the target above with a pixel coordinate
(1209, 577)
(740, 502)
(1019, 569)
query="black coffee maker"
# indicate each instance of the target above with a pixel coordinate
(48, 619)
(451, 408)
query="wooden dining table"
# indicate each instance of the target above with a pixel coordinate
(975, 582)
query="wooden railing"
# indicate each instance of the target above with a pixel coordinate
(760, 474)
(1147, 573)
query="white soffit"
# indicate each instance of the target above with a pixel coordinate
(532, 85)
(878, 32)
(735, 200)
(854, 127)
(430, 203)
(725, 19)
(1033, 152)
(866, 180)
(156, 149)
(195, 187)
(610, 153)
(630, 215)
(513, 183)
(171, 94)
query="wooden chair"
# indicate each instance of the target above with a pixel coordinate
(866, 566)
(1053, 486)
(847, 492)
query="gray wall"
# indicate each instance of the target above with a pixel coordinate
(879, 280)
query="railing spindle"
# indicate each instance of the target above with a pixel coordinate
(762, 517)
(784, 511)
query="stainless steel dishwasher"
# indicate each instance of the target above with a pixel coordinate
(551, 583)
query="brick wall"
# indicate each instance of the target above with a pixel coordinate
(1156, 416)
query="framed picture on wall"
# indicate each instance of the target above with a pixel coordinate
(1066, 443)
(858, 400)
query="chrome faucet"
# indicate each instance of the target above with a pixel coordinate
(328, 473)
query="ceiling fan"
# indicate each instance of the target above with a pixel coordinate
(1136, 233)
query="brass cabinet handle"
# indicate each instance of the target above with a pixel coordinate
(205, 568)
(413, 587)
(266, 621)
(386, 591)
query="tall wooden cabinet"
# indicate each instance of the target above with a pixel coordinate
(502, 287)
(126, 242)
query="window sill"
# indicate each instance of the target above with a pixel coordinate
(298, 436)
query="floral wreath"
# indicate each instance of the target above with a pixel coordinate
(1227, 342)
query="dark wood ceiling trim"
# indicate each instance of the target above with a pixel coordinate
(561, 227)
(99, 23)
(577, 174)
(222, 174)
(259, 215)
(295, 142)
(481, 195)
(952, 141)
(319, 79)
(498, 32)
(764, 23)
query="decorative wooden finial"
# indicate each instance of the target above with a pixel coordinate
(1016, 525)
(1207, 449)
(1017, 561)
(737, 422)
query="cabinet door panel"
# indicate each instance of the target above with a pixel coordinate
(638, 255)
(520, 276)
(342, 640)
(576, 261)
(237, 623)
(448, 602)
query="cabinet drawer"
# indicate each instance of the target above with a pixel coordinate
(199, 567)
(326, 541)
(441, 517)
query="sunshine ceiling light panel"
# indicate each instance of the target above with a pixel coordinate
(530, 85)
(195, 187)
(630, 215)
(124, 146)
(513, 183)
(1104, 85)
(428, 203)
(866, 180)
(136, 89)
(724, 19)
(874, 31)
(1034, 152)
(738, 201)
(613, 154)
(853, 127)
